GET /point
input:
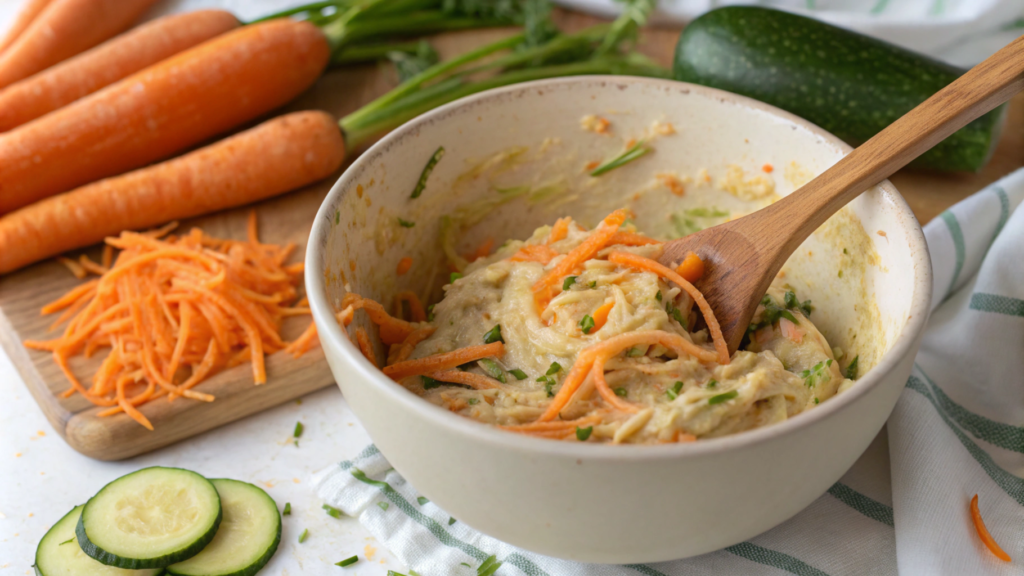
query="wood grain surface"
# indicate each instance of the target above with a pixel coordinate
(288, 218)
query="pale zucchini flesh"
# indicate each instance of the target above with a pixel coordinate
(247, 538)
(150, 518)
(58, 554)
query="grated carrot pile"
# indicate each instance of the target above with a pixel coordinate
(173, 311)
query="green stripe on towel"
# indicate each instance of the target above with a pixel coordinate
(645, 570)
(991, 431)
(879, 6)
(370, 450)
(958, 244)
(997, 304)
(769, 557)
(867, 506)
(1004, 212)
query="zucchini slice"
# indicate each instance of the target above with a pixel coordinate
(58, 554)
(150, 518)
(247, 538)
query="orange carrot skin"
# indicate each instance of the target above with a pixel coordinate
(161, 110)
(27, 15)
(65, 28)
(109, 62)
(277, 156)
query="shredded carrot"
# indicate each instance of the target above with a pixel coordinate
(173, 311)
(600, 315)
(672, 183)
(437, 362)
(641, 263)
(403, 266)
(406, 348)
(74, 267)
(392, 330)
(692, 268)
(534, 253)
(477, 381)
(416, 311)
(631, 239)
(986, 538)
(544, 288)
(768, 168)
(560, 230)
(365, 347)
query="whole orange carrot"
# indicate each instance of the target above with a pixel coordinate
(107, 63)
(277, 156)
(65, 28)
(28, 13)
(161, 110)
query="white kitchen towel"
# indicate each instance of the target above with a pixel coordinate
(956, 431)
(963, 32)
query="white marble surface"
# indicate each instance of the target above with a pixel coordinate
(41, 478)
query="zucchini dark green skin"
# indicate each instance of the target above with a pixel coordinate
(849, 84)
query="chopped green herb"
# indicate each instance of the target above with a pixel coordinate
(806, 308)
(393, 573)
(684, 226)
(454, 276)
(840, 273)
(304, 535)
(429, 382)
(287, 509)
(673, 392)
(422, 182)
(298, 430)
(473, 401)
(69, 540)
(675, 313)
(583, 433)
(844, 251)
(816, 401)
(406, 223)
(587, 324)
(725, 396)
(494, 335)
(568, 282)
(549, 385)
(464, 564)
(332, 511)
(819, 374)
(712, 383)
(348, 561)
(337, 217)
(635, 351)
(658, 296)
(492, 369)
(489, 566)
(790, 299)
(451, 521)
(383, 505)
(555, 368)
(851, 368)
(593, 284)
(621, 392)
(430, 312)
(422, 500)
(638, 149)
(788, 316)
(713, 212)
(519, 374)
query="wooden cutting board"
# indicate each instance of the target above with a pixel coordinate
(288, 219)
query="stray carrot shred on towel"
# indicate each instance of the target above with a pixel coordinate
(173, 311)
(979, 525)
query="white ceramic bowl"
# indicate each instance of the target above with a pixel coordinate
(606, 503)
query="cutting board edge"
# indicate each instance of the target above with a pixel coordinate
(55, 414)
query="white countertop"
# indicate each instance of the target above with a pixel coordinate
(41, 478)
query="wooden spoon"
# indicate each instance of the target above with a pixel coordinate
(743, 256)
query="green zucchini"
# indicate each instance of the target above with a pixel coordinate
(58, 554)
(847, 83)
(150, 518)
(247, 538)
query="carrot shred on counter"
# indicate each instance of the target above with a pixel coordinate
(979, 525)
(173, 311)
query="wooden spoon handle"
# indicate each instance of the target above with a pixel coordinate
(987, 85)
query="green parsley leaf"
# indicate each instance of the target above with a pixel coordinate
(453, 277)
(430, 312)
(304, 535)
(788, 316)
(348, 561)
(555, 368)
(621, 392)
(568, 282)
(816, 401)
(383, 505)
(673, 392)
(406, 223)
(583, 433)
(712, 383)
(489, 566)
(819, 374)
(298, 430)
(519, 374)
(494, 335)
(422, 182)
(636, 351)
(724, 397)
(806, 308)
(287, 509)
(451, 520)
(790, 299)
(429, 382)
(332, 511)
(658, 296)
(422, 500)
(473, 401)
(587, 324)
(593, 284)
(675, 313)
(851, 368)
(492, 369)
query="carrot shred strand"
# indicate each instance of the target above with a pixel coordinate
(986, 538)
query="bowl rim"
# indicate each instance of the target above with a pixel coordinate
(331, 334)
